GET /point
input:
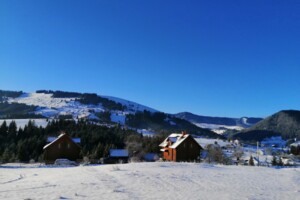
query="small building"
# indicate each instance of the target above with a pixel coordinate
(117, 156)
(62, 147)
(180, 147)
(150, 157)
(295, 148)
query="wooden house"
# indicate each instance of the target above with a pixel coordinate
(180, 147)
(62, 147)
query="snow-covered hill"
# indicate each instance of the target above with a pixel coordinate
(50, 107)
(160, 180)
(66, 105)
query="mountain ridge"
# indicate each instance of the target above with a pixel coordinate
(285, 123)
(218, 124)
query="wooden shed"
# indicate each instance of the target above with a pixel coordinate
(180, 147)
(62, 147)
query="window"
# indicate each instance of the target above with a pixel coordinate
(191, 145)
(59, 145)
(167, 151)
(69, 145)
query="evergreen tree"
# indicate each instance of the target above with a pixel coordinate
(3, 130)
(3, 135)
(6, 155)
(12, 132)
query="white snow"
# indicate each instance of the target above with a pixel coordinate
(297, 143)
(42, 100)
(175, 138)
(218, 128)
(159, 180)
(51, 107)
(245, 121)
(205, 141)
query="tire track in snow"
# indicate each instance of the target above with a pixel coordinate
(14, 180)
(111, 182)
(31, 188)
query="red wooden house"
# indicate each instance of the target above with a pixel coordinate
(180, 147)
(62, 147)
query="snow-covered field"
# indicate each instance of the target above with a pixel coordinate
(206, 141)
(160, 180)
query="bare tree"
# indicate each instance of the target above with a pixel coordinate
(216, 155)
(238, 153)
(134, 146)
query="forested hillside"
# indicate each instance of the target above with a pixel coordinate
(285, 123)
(162, 121)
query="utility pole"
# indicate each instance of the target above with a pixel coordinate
(257, 153)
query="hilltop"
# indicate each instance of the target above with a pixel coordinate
(285, 123)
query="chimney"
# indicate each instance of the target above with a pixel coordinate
(183, 133)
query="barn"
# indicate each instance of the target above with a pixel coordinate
(62, 147)
(180, 147)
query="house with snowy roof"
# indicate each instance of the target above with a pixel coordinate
(180, 147)
(62, 147)
(117, 156)
(295, 148)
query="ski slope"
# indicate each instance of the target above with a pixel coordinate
(160, 180)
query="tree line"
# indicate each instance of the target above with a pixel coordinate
(25, 144)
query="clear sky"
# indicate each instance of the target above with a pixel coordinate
(219, 58)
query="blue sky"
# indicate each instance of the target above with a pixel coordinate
(216, 58)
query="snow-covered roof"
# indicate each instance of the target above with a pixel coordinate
(51, 139)
(296, 143)
(118, 153)
(175, 138)
(54, 139)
